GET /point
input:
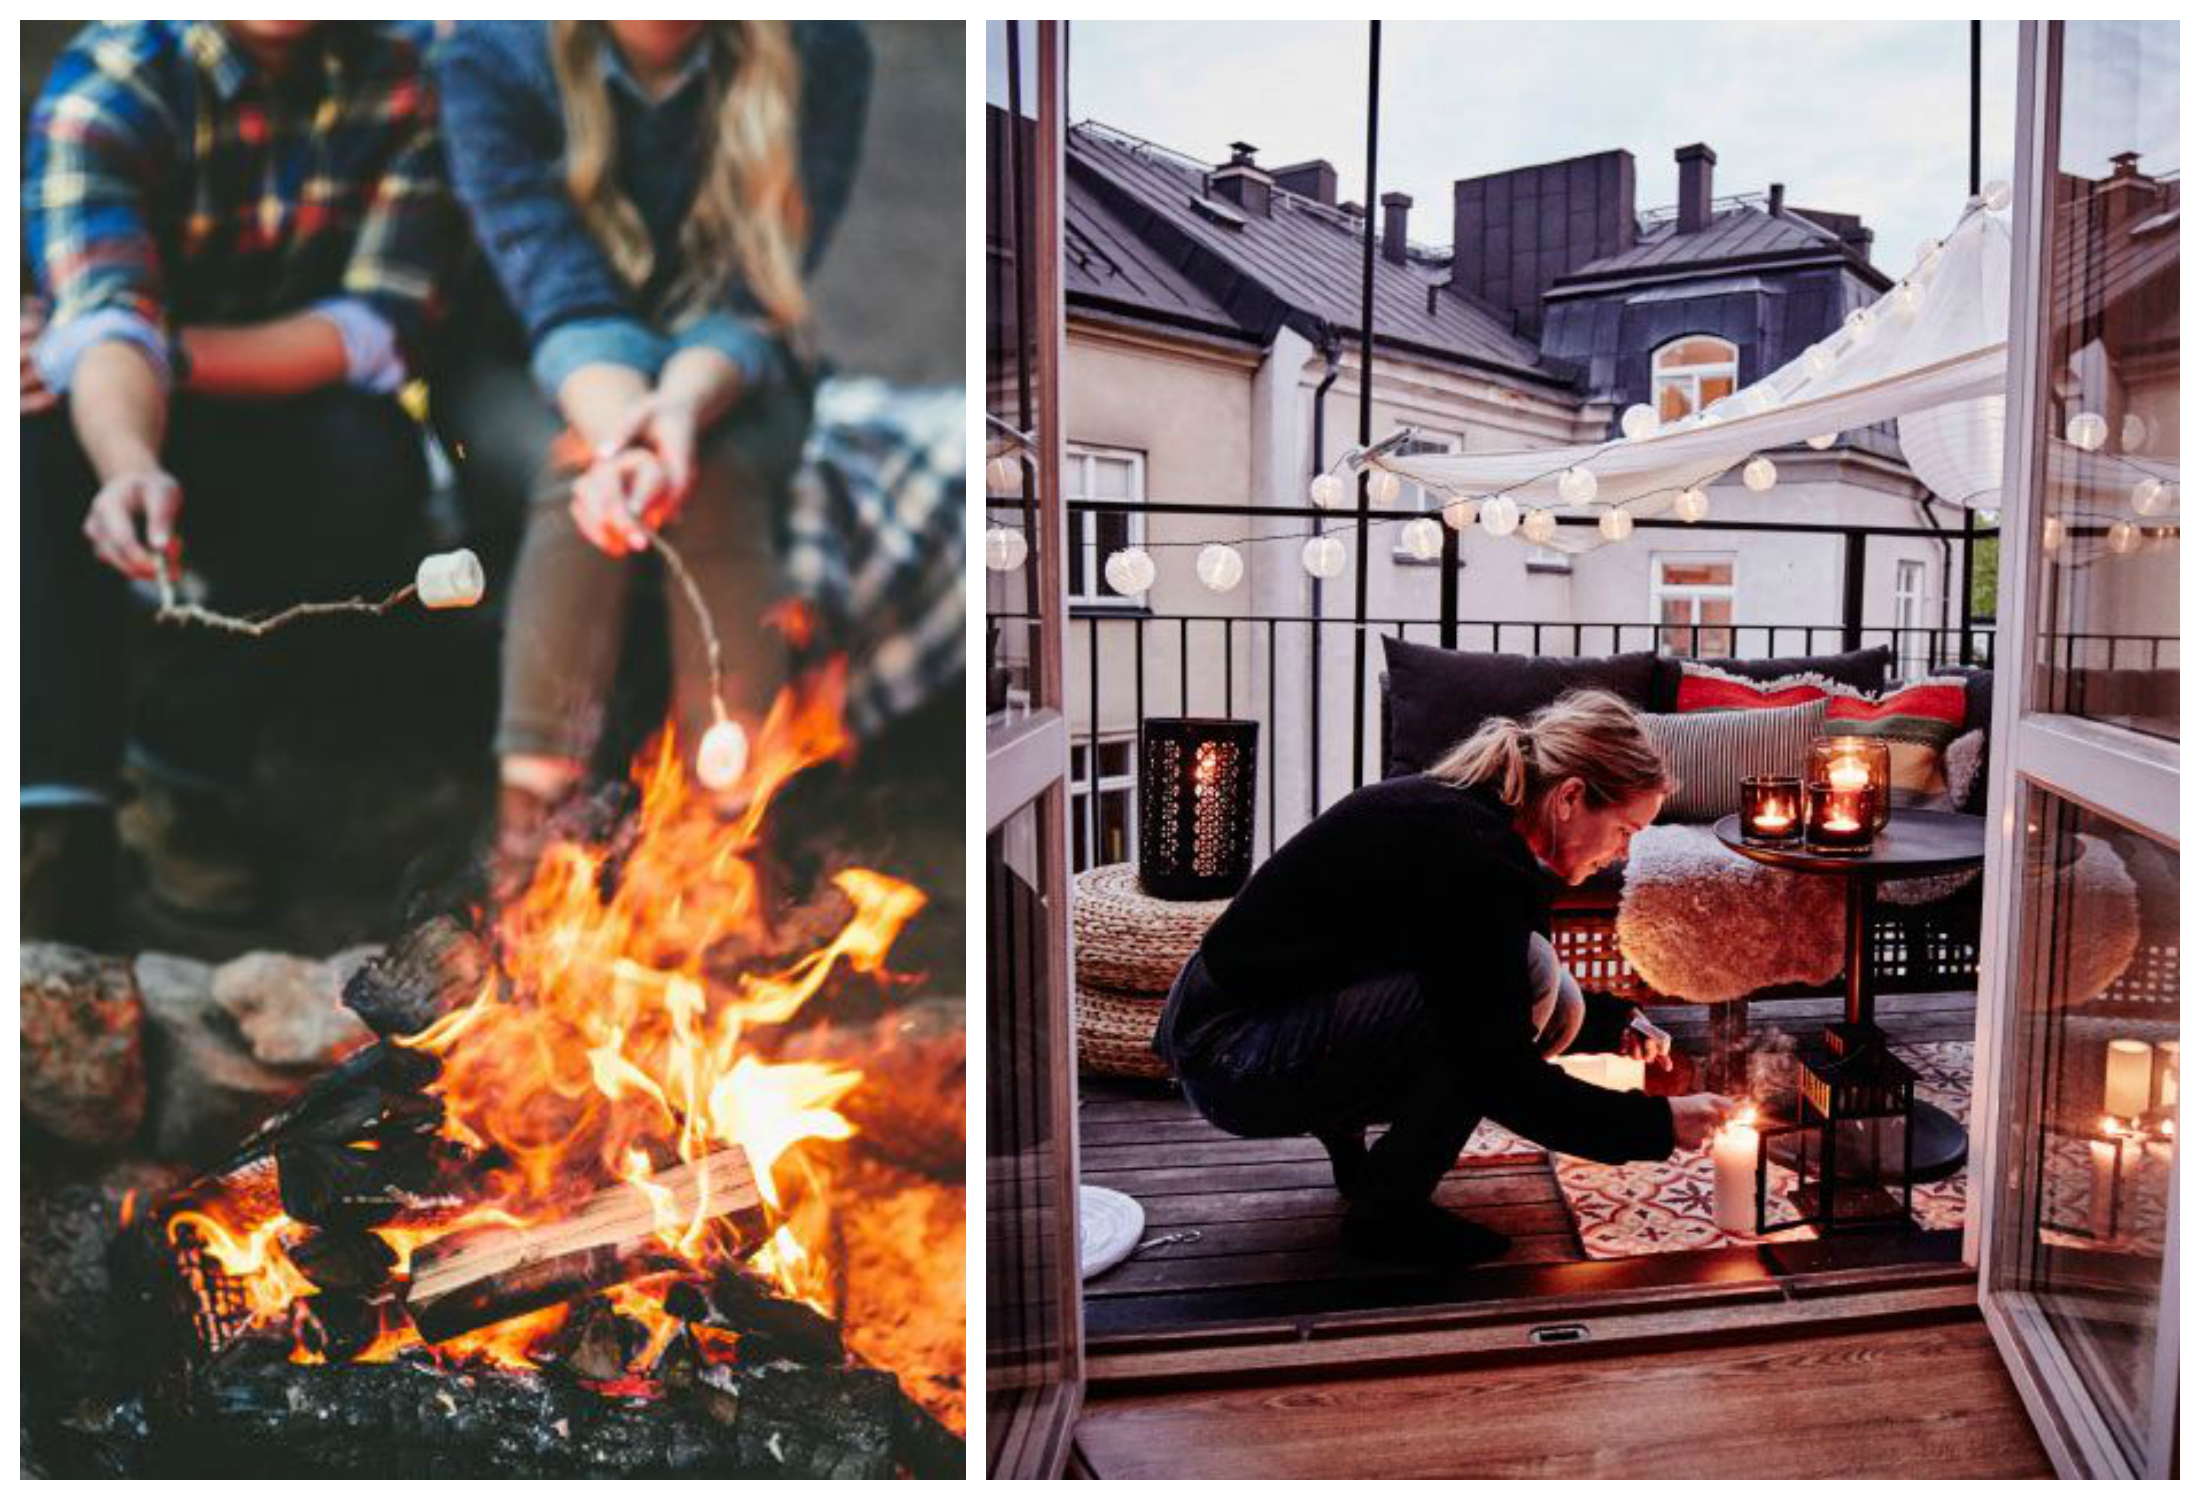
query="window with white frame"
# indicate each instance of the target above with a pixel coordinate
(1912, 643)
(1692, 597)
(1103, 779)
(1413, 499)
(1090, 473)
(1690, 373)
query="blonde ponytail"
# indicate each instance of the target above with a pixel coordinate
(1589, 734)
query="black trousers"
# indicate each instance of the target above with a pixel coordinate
(314, 497)
(1328, 1065)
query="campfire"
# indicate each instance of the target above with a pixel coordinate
(604, 1193)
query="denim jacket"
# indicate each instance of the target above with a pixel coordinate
(504, 127)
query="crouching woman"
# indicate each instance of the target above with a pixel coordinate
(1391, 964)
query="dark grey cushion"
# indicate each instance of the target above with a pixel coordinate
(1864, 670)
(1436, 698)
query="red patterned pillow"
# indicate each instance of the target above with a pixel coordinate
(1708, 690)
(1919, 721)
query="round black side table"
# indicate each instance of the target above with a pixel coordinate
(1915, 842)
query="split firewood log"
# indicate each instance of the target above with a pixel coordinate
(435, 968)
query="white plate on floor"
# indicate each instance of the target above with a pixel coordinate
(1108, 1226)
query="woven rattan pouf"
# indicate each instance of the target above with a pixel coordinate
(1129, 948)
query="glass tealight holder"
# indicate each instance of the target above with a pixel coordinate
(1851, 760)
(1838, 819)
(1772, 811)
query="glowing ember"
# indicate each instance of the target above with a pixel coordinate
(629, 1028)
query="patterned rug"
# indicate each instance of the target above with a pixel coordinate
(1493, 1145)
(1651, 1208)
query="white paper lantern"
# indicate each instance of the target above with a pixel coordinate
(1692, 504)
(1824, 440)
(1219, 567)
(1129, 571)
(1905, 298)
(1859, 325)
(1638, 422)
(2087, 430)
(2124, 538)
(1539, 526)
(2134, 435)
(1323, 556)
(1004, 475)
(1928, 255)
(1759, 399)
(723, 755)
(1459, 513)
(1760, 474)
(1997, 195)
(1382, 487)
(1500, 515)
(450, 580)
(1422, 538)
(1327, 491)
(1955, 449)
(1818, 359)
(1616, 524)
(1005, 549)
(2051, 533)
(1577, 486)
(2150, 497)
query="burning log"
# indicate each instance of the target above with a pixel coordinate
(373, 1094)
(431, 971)
(339, 1327)
(480, 1276)
(344, 1262)
(771, 1327)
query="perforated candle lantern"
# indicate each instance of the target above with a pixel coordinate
(1847, 761)
(1196, 780)
(1852, 1143)
(1838, 819)
(1772, 811)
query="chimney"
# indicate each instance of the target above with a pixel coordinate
(1395, 208)
(1776, 200)
(1696, 164)
(1310, 179)
(1242, 182)
(1514, 233)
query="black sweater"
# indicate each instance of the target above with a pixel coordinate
(1416, 876)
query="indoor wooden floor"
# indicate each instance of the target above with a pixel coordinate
(1267, 1214)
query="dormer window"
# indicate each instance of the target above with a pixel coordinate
(1689, 374)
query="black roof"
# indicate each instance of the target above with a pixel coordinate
(1106, 266)
(1166, 246)
(1739, 236)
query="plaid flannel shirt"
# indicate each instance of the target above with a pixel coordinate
(170, 181)
(875, 540)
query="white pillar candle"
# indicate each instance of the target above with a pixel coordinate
(2165, 1094)
(1623, 1073)
(2104, 1187)
(2130, 1079)
(450, 580)
(1586, 1066)
(1734, 1175)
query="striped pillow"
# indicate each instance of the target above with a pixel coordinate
(1918, 721)
(1707, 689)
(1710, 753)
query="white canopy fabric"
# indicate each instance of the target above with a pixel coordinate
(1937, 342)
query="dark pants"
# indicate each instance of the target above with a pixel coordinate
(1329, 1065)
(315, 497)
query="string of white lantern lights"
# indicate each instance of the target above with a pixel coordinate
(1220, 566)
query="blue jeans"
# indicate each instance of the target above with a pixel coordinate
(1332, 1064)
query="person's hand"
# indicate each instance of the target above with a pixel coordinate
(132, 522)
(36, 397)
(667, 423)
(1657, 1050)
(614, 497)
(1696, 1117)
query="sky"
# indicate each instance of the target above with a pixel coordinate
(1869, 118)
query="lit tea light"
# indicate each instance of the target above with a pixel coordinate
(1852, 763)
(1838, 820)
(1772, 810)
(723, 755)
(1734, 1173)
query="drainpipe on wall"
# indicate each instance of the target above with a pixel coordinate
(1947, 569)
(1329, 350)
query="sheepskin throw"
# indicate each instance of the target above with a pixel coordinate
(1699, 922)
(1709, 754)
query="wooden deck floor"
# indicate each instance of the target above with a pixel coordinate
(1267, 1214)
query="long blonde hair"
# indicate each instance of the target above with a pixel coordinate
(748, 213)
(1589, 733)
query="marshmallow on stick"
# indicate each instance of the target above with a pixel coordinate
(450, 580)
(446, 580)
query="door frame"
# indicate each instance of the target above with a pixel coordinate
(2120, 774)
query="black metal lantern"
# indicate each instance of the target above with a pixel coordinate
(1852, 1146)
(1195, 806)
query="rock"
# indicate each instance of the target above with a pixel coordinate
(83, 1057)
(208, 1088)
(291, 1009)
